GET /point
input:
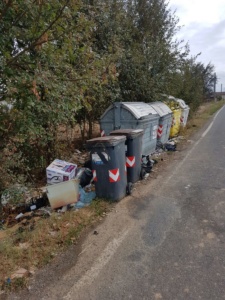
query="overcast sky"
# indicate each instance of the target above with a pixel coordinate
(204, 29)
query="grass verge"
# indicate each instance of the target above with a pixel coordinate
(199, 118)
(37, 244)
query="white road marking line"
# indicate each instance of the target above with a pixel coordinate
(193, 148)
(102, 260)
(210, 125)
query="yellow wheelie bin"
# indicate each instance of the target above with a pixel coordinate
(175, 107)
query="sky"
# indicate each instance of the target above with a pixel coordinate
(203, 27)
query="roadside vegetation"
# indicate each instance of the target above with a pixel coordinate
(62, 63)
(37, 240)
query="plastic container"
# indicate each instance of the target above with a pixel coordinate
(108, 166)
(132, 115)
(165, 120)
(133, 151)
(175, 107)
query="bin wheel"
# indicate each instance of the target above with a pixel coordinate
(142, 173)
(129, 188)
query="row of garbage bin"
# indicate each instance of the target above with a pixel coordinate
(116, 162)
(159, 120)
(129, 131)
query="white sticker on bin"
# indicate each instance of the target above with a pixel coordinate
(96, 159)
(154, 132)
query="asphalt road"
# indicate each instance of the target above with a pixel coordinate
(167, 241)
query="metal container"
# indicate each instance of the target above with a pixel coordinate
(165, 120)
(132, 115)
(184, 112)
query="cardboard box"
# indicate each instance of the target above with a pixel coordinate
(59, 171)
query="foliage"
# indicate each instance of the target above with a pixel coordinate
(62, 62)
(194, 82)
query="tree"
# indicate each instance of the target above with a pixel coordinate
(153, 55)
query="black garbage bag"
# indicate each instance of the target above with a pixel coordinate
(36, 203)
(85, 176)
(147, 163)
(170, 147)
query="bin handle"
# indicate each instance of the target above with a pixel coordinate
(105, 161)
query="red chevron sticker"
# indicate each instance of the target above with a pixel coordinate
(94, 175)
(114, 175)
(130, 161)
(160, 130)
(102, 133)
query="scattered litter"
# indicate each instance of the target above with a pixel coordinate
(147, 163)
(77, 151)
(20, 273)
(36, 203)
(63, 209)
(46, 210)
(85, 176)
(146, 175)
(59, 171)
(170, 146)
(19, 216)
(63, 193)
(85, 198)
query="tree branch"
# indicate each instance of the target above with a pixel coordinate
(36, 41)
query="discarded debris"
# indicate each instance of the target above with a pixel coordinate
(170, 146)
(59, 171)
(63, 193)
(20, 273)
(147, 163)
(85, 198)
(19, 216)
(85, 176)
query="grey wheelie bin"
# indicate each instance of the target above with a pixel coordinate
(165, 120)
(132, 115)
(108, 166)
(133, 152)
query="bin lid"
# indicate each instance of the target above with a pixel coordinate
(161, 108)
(138, 109)
(171, 102)
(129, 133)
(105, 141)
(182, 103)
